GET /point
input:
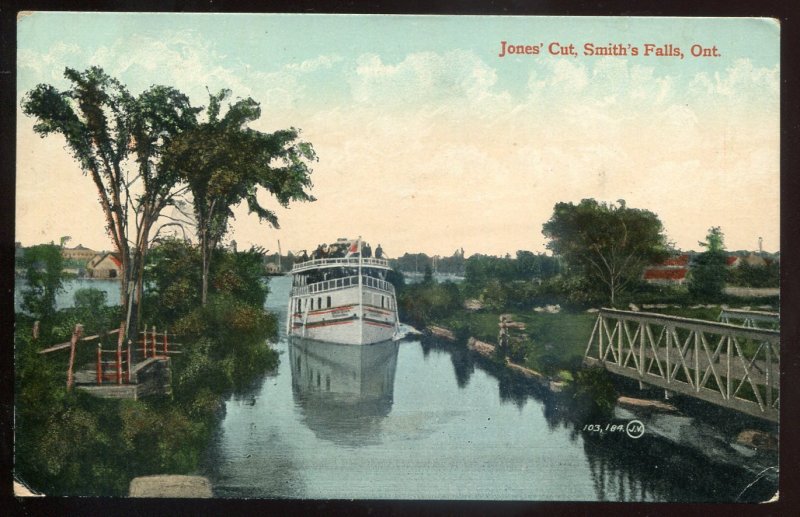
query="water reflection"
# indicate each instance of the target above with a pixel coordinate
(651, 470)
(343, 391)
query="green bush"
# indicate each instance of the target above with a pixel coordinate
(592, 392)
(422, 303)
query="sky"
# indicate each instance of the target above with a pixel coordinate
(428, 140)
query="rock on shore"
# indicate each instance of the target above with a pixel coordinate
(170, 486)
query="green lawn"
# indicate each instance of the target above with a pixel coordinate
(552, 341)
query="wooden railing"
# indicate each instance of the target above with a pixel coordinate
(112, 365)
(158, 345)
(118, 364)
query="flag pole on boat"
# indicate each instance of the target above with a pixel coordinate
(360, 292)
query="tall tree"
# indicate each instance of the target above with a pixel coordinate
(103, 124)
(609, 244)
(709, 271)
(225, 163)
(158, 116)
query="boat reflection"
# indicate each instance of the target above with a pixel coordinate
(343, 391)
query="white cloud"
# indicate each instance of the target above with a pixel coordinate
(48, 66)
(311, 65)
(431, 151)
(450, 82)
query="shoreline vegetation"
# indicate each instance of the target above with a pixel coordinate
(72, 443)
(536, 330)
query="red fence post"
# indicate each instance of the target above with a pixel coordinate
(99, 364)
(119, 363)
(73, 343)
(120, 338)
(154, 341)
(129, 361)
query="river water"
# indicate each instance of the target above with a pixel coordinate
(65, 298)
(411, 420)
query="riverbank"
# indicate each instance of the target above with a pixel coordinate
(721, 436)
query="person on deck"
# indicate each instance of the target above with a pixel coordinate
(366, 250)
(379, 252)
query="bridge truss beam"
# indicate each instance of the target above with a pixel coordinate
(729, 365)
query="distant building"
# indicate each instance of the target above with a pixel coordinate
(666, 276)
(673, 271)
(79, 252)
(733, 261)
(104, 265)
(271, 268)
(755, 260)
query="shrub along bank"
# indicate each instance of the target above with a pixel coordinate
(71, 443)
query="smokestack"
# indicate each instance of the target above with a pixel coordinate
(760, 245)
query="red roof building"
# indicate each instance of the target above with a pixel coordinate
(672, 271)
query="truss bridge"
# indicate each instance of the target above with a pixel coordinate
(730, 365)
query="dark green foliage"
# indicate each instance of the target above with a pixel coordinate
(423, 303)
(607, 244)
(226, 163)
(89, 298)
(397, 279)
(427, 277)
(709, 273)
(745, 275)
(708, 276)
(592, 392)
(526, 266)
(173, 274)
(43, 278)
(173, 280)
(241, 275)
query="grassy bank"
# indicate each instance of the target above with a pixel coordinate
(551, 342)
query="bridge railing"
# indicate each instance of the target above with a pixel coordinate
(752, 319)
(729, 365)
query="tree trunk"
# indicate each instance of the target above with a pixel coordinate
(204, 293)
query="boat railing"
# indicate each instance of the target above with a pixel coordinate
(340, 283)
(339, 261)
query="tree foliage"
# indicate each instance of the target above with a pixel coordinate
(709, 272)
(104, 125)
(608, 244)
(43, 266)
(225, 163)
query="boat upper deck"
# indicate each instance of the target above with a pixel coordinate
(325, 263)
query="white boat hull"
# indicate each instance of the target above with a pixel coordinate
(343, 316)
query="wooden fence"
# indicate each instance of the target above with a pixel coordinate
(111, 365)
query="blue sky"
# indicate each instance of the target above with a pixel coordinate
(428, 140)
